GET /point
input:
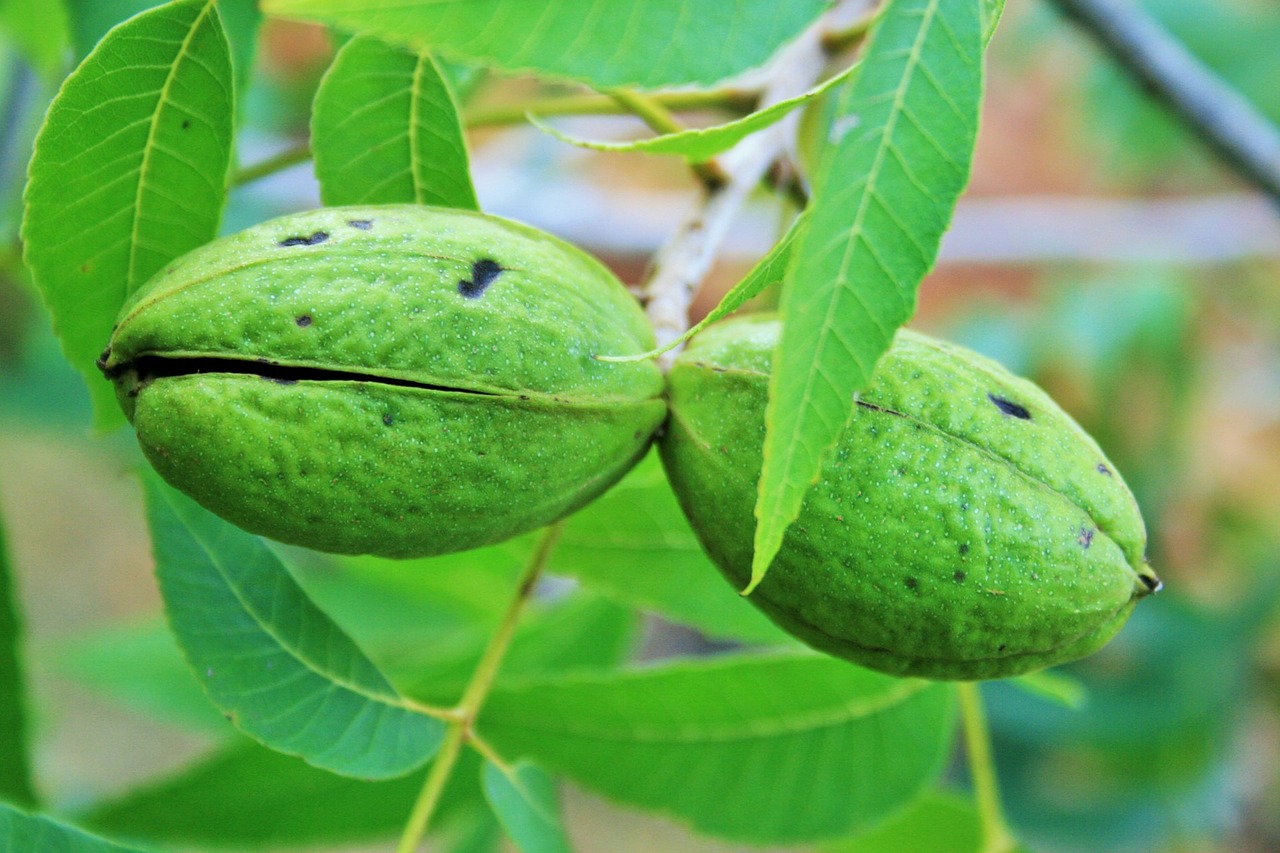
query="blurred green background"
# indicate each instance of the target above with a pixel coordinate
(1099, 251)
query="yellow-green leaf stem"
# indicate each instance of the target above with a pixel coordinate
(459, 729)
(996, 837)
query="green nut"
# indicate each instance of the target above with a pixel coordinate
(394, 380)
(963, 527)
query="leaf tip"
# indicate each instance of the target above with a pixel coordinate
(760, 564)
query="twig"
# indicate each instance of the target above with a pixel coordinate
(291, 156)
(1217, 113)
(684, 260)
(996, 837)
(458, 731)
(733, 100)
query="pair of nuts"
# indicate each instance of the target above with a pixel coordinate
(406, 381)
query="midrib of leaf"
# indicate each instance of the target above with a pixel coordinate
(131, 281)
(360, 690)
(765, 550)
(415, 158)
(739, 730)
(869, 193)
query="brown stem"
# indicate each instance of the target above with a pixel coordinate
(1212, 109)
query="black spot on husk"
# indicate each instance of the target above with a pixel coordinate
(483, 273)
(1010, 408)
(314, 240)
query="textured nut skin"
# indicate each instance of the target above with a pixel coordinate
(947, 536)
(434, 383)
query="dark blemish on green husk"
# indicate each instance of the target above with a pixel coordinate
(303, 320)
(314, 240)
(959, 577)
(912, 583)
(1010, 408)
(360, 224)
(483, 273)
(964, 549)
(1103, 469)
(388, 419)
(1085, 539)
(873, 408)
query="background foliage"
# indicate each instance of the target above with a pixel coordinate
(637, 666)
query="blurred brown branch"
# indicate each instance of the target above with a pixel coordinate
(1241, 136)
(686, 257)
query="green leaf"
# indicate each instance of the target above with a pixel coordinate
(635, 546)
(582, 633)
(129, 172)
(764, 749)
(248, 796)
(425, 622)
(1145, 759)
(417, 601)
(1054, 687)
(700, 144)
(646, 43)
(22, 832)
(883, 195)
(991, 12)
(525, 801)
(936, 823)
(15, 773)
(141, 667)
(385, 130)
(280, 670)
